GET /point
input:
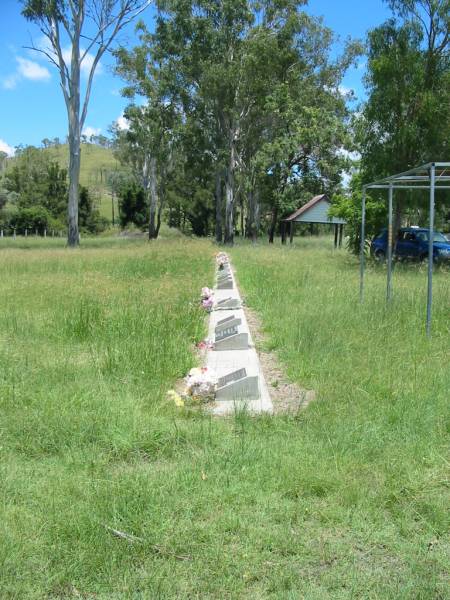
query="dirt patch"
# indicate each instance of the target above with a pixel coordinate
(132, 234)
(287, 397)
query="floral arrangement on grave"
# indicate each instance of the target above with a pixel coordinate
(205, 344)
(200, 387)
(221, 260)
(207, 299)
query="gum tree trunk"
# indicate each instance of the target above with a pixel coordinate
(253, 217)
(73, 112)
(230, 194)
(250, 211)
(152, 230)
(218, 199)
(273, 223)
(257, 212)
(162, 197)
(73, 236)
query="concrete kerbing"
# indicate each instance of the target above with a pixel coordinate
(224, 362)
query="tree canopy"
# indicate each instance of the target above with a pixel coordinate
(243, 101)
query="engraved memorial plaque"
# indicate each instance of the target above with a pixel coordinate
(231, 321)
(234, 376)
(223, 321)
(226, 333)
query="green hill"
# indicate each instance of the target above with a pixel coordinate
(96, 163)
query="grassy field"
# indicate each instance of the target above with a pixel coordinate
(346, 500)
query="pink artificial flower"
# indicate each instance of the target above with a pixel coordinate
(207, 303)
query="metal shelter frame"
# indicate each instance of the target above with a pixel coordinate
(431, 176)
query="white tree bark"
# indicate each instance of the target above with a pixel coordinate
(230, 191)
(153, 184)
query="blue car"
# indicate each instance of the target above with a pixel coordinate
(412, 243)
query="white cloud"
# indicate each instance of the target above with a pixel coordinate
(88, 131)
(4, 147)
(43, 44)
(26, 69)
(32, 70)
(346, 91)
(122, 123)
(10, 82)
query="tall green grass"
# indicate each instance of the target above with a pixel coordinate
(345, 500)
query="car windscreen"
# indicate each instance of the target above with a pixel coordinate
(437, 237)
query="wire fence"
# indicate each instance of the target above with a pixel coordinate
(25, 233)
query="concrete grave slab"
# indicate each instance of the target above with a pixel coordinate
(226, 361)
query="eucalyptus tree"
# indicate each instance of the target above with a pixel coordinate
(303, 120)
(255, 91)
(146, 147)
(149, 143)
(62, 22)
(405, 120)
(206, 42)
(3, 160)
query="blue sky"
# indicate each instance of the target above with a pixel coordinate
(31, 103)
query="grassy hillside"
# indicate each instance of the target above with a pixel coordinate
(96, 163)
(345, 500)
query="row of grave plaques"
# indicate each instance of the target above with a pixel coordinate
(236, 385)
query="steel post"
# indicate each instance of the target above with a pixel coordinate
(389, 249)
(430, 248)
(363, 236)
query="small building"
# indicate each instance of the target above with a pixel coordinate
(314, 211)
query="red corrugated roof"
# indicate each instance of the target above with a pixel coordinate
(306, 207)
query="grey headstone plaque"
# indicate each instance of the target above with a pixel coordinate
(231, 321)
(223, 321)
(226, 284)
(242, 388)
(229, 341)
(226, 332)
(233, 376)
(228, 303)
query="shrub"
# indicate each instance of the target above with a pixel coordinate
(90, 220)
(32, 218)
(132, 205)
